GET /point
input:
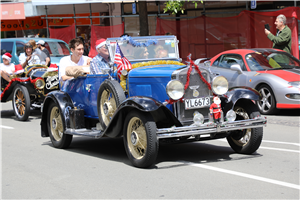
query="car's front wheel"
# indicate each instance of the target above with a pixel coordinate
(55, 128)
(110, 96)
(267, 104)
(21, 102)
(140, 139)
(246, 141)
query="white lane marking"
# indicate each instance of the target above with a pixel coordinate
(285, 184)
(277, 142)
(279, 149)
(276, 149)
(6, 127)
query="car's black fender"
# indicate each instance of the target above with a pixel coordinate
(236, 94)
(163, 117)
(8, 95)
(63, 101)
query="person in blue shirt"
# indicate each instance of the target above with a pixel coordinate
(100, 61)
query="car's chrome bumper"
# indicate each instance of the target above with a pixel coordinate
(210, 128)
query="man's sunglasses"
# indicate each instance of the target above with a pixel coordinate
(105, 46)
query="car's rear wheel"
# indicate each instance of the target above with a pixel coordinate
(140, 139)
(55, 128)
(246, 141)
(110, 96)
(21, 102)
(267, 104)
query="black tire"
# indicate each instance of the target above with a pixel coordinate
(56, 129)
(110, 95)
(140, 139)
(246, 141)
(267, 105)
(21, 102)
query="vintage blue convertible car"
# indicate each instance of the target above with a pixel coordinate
(159, 100)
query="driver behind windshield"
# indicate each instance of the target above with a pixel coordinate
(100, 61)
(28, 58)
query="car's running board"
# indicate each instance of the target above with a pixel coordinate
(85, 132)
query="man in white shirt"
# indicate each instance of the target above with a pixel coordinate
(28, 58)
(76, 59)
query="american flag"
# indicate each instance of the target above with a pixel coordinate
(121, 61)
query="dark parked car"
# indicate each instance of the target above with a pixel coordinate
(159, 100)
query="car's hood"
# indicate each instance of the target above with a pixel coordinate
(154, 71)
(289, 75)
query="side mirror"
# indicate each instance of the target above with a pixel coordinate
(207, 63)
(236, 67)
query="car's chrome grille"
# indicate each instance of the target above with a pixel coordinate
(186, 116)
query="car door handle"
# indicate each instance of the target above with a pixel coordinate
(217, 74)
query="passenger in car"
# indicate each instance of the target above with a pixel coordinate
(77, 59)
(160, 52)
(6, 68)
(100, 62)
(41, 46)
(141, 53)
(28, 58)
(38, 52)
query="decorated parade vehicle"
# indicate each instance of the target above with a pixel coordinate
(152, 98)
(28, 88)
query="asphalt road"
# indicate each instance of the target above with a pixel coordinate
(99, 168)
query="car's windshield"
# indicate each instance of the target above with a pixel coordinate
(158, 49)
(57, 49)
(270, 61)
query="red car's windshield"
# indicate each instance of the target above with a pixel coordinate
(265, 61)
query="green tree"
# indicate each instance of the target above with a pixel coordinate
(175, 6)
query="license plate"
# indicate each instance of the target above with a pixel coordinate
(196, 103)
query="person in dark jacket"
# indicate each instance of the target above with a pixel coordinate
(283, 38)
(41, 46)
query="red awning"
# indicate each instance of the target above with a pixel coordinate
(12, 11)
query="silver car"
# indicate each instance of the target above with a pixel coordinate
(274, 73)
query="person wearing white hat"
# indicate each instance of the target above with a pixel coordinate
(6, 68)
(100, 61)
(41, 46)
(77, 59)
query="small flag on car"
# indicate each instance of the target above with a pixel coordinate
(121, 61)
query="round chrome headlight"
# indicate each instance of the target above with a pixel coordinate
(230, 115)
(39, 84)
(175, 89)
(198, 118)
(219, 85)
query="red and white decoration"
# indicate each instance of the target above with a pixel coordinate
(121, 61)
(19, 69)
(52, 68)
(7, 56)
